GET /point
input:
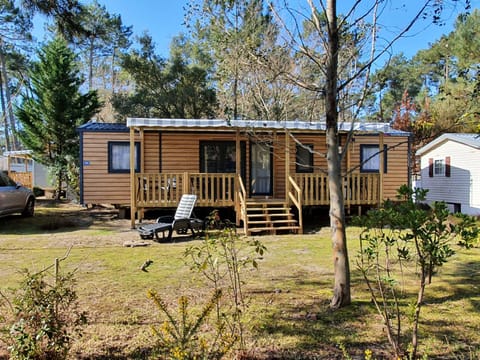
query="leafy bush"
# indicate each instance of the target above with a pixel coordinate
(43, 318)
(405, 234)
(220, 259)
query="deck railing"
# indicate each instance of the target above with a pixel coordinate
(295, 197)
(358, 189)
(166, 189)
(242, 206)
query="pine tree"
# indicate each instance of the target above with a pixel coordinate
(52, 114)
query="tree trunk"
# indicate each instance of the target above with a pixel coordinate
(341, 289)
(5, 119)
(9, 114)
(58, 194)
(90, 65)
(113, 69)
(416, 315)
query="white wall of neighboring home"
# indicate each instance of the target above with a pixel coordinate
(463, 185)
(41, 176)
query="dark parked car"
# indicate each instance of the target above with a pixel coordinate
(14, 198)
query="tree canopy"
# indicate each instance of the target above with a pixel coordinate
(51, 113)
(170, 88)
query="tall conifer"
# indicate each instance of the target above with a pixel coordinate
(51, 115)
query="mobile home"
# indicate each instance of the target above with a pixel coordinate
(450, 170)
(257, 168)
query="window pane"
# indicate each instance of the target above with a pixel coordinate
(304, 158)
(439, 167)
(218, 157)
(370, 158)
(119, 157)
(261, 169)
(3, 181)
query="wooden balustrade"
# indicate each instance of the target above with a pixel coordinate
(358, 189)
(295, 197)
(166, 189)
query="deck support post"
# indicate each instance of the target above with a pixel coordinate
(141, 212)
(287, 166)
(381, 167)
(238, 171)
(133, 204)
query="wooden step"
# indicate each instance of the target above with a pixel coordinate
(282, 221)
(269, 215)
(265, 202)
(273, 228)
(269, 209)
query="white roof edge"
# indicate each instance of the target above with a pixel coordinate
(463, 138)
(17, 152)
(260, 124)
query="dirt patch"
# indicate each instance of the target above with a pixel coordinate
(62, 224)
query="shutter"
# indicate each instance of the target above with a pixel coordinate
(430, 167)
(447, 166)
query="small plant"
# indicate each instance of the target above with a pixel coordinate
(44, 317)
(405, 234)
(221, 259)
(184, 337)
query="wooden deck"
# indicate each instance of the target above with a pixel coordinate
(160, 190)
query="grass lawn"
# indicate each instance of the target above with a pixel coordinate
(289, 294)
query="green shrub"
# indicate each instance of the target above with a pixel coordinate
(43, 318)
(220, 259)
(185, 335)
(405, 234)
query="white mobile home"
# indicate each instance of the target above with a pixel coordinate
(450, 170)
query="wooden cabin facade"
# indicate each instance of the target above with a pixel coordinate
(262, 169)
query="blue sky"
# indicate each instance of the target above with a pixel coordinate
(163, 19)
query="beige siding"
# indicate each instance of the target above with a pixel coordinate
(397, 161)
(152, 152)
(99, 186)
(181, 151)
(178, 152)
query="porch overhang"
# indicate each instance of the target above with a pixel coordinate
(257, 125)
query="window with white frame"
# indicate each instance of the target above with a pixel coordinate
(439, 167)
(119, 157)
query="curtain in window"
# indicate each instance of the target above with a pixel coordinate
(371, 158)
(261, 169)
(121, 157)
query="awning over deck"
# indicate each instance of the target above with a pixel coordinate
(292, 125)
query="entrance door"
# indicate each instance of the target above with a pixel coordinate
(261, 169)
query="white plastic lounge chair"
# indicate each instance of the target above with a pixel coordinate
(181, 222)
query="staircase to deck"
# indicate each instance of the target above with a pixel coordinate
(269, 216)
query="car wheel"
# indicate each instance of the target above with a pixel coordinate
(29, 208)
